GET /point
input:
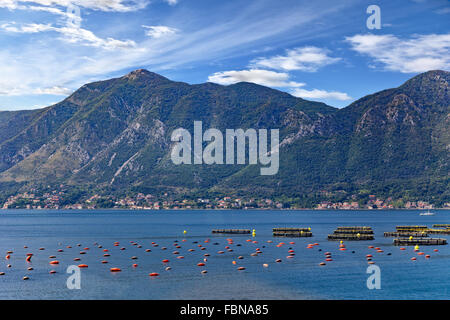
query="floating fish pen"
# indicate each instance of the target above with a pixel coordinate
(350, 236)
(292, 232)
(352, 233)
(357, 228)
(291, 229)
(411, 228)
(438, 231)
(347, 231)
(406, 234)
(232, 231)
(441, 226)
(419, 241)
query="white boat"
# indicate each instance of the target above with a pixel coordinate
(428, 213)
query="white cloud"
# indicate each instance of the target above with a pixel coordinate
(103, 5)
(71, 34)
(171, 2)
(302, 59)
(320, 94)
(258, 76)
(56, 90)
(159, 31)
(420, 53)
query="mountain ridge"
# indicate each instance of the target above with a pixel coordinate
(113, 136)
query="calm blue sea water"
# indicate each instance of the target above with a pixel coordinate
(297, 278)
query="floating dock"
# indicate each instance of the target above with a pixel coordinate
(232, 231)
(419, 241)
(406, 234)
(350, 236)
(352, 233)
(292, 232)
(411, 228)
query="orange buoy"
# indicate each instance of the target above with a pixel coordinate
(76, 259)
(436, 250)
(52, 271)
(402, 248)
(368, 256)
(413, 258)
(201, 264)
(289, 257)
(165, 260)
(104, 261)
(233, 262)
(7, 257)
(322, 264)
(54, 262)
(115, 269)
(82, 266)
(154, 274)
(179, 257)
(134, 265)
(241, 268)
(370, 262)
(328, 259)
(420, 253)
(427, 256)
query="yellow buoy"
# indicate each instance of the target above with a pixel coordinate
(184, 232)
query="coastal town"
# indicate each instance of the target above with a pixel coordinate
(58, 200)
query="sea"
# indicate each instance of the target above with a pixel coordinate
(138, 241)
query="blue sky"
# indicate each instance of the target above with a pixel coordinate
(318, 50)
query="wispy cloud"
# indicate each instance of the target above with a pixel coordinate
(103, 5)
(303, 59)
(320, 94)
(419, 53)
(59, 91)
(71, 34)
(171, 2)
(262, 77)
(159, 31)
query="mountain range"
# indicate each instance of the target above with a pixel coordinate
(114, 137)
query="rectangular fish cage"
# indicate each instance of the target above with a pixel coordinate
(232, 231)
(350, 236)
(293, 234)
(406, 234)
(419, 241)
